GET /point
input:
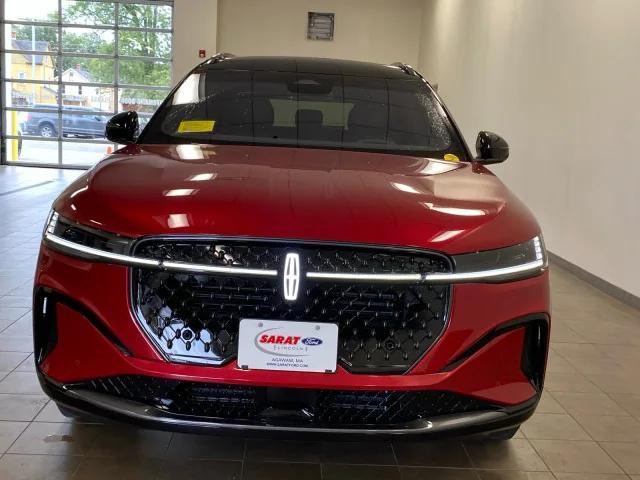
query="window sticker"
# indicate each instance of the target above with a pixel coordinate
(450, 157)
(196, 126)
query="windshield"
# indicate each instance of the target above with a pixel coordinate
(305, 110)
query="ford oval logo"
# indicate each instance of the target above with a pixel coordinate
(311, 341)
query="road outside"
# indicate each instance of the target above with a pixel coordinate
(34, 151)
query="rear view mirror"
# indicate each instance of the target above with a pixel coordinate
(123, 128)
(491, 148)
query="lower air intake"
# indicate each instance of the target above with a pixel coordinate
(314, 408)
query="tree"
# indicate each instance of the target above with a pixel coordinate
(131, 43)
(100, 41)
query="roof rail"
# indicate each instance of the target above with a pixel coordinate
(218, 57)
(408, 69)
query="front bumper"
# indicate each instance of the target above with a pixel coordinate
(479, 355)
(113, 408)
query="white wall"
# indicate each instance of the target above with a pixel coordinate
(372, 30)
(195, 25)
(560, 80)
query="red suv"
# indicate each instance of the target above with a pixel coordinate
(295, 245)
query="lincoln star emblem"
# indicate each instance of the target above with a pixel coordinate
(291, 277)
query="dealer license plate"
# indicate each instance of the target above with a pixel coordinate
(289, 346)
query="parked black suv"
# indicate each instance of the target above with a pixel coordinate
(76, 121)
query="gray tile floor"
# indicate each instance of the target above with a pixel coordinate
(587, 426)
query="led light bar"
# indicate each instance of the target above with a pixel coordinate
(486, 266)
(501, 265)
(485, 275)
(94, 252)
(195, 267)
(373, 277)
(131, 260)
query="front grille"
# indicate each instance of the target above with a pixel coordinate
(383, 326)
(269, 256)
(315, 408)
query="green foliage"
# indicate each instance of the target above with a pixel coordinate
(89, 13)
(131, 43)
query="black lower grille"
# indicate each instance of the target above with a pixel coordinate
(383, 326)
(315, 408)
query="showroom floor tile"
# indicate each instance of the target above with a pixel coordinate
(587, 426)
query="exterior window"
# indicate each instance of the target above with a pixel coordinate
(97, 57)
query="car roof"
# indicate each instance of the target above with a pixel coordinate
(306, 65)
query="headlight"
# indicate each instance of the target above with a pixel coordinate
(52, 221)
(90, 243)
(502, 265)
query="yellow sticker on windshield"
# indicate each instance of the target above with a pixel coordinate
(196, 126)
(450, 157)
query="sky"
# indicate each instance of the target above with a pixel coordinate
(29, 9)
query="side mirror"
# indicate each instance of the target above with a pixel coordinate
(491, 148)
(123, 128)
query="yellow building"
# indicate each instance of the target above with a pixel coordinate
(32, 67)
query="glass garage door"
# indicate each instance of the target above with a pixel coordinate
(69, 65)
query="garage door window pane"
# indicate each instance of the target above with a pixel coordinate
(84, 154)
(18, 123)
(27, 37)
(95, 98)
(145, 72)
(87, 40)
(84, 125)
(83, 12)
(145, 16)
(31, 67)
(88, 70)
(23, 10)
(43, 124)
(31, 94)
(145, 44)
(142, 101)
(32, 151)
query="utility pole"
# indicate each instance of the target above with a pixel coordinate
(33, 64)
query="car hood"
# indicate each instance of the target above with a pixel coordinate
(294, 193)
